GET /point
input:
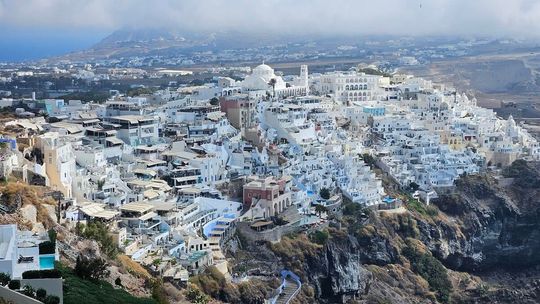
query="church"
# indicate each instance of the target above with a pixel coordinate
(262, 75)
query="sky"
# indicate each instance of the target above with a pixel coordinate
(76, 24)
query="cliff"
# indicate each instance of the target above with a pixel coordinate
(473, 245)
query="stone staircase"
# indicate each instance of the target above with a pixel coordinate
(289, 291)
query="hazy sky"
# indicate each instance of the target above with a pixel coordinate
(507, 18)
(494, 17)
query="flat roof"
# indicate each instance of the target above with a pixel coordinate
(148, 216)
(70, 127)
(137, 207)
(115, 140)
(144, 171)
(133, 118)
(98, 210)
(163, 206)
(181, 154)
(261, 224)
(190, 190)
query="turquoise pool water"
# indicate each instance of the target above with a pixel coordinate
(46, 262)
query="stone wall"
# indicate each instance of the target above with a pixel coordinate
(272, 235)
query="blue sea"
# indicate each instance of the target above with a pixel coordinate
(18, 44)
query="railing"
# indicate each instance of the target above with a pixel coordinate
(284, 274)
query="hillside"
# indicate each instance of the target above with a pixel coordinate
(463, 249)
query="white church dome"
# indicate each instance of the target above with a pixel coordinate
(263, 69)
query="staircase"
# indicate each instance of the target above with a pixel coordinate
(290, 289)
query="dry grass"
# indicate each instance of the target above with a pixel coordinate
(33, 195)
(133, 267)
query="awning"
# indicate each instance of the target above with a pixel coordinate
(151, 194)
(115, 141)
(148, 216)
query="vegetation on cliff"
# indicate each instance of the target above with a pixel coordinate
(431, 269)
(213, 283)
(78, 290)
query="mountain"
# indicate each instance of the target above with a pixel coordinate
(147, 42)
(167, 42)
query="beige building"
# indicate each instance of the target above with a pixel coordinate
(59, 161)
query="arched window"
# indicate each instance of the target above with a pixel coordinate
(347, 87)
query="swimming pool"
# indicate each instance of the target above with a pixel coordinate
(46, 262)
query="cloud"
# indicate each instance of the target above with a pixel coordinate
(400, 17)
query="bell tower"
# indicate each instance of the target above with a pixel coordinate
(304, 77)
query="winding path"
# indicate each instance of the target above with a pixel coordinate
(289, 288)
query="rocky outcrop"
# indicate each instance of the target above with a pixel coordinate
(338, 272)
(492, 227)
(481, 225)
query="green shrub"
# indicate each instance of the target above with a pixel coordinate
(100, 233)
(319, 237)
(91, 269)
(52, 235)
(47, 247)
(28, 290)
(432, 210)
(42, 274)
(78, 290)
(416, 205)
(52, 300)
(324, 193)
(41, 294)
(4, 278)
(195, 296)
(158, 293)
(432, 270)
(14, 285)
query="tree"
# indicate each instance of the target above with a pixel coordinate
(368, 159)
(28, 290)
(414, 186)
(431, 269)
(118, 282)
(324, 193)
(100, 233)
(91, 269)
(52, 236)
(195, 296)
(214, 101)
(4, 278)
(273, 83)
(319, 237)
(320, 209)
(52, 300)
(100, 184)
(41, 294)
(14, 284)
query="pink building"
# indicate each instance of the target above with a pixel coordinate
(271, 195)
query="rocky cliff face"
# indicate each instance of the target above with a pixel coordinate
(496, 226)
(484, 225)
(338, 272)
